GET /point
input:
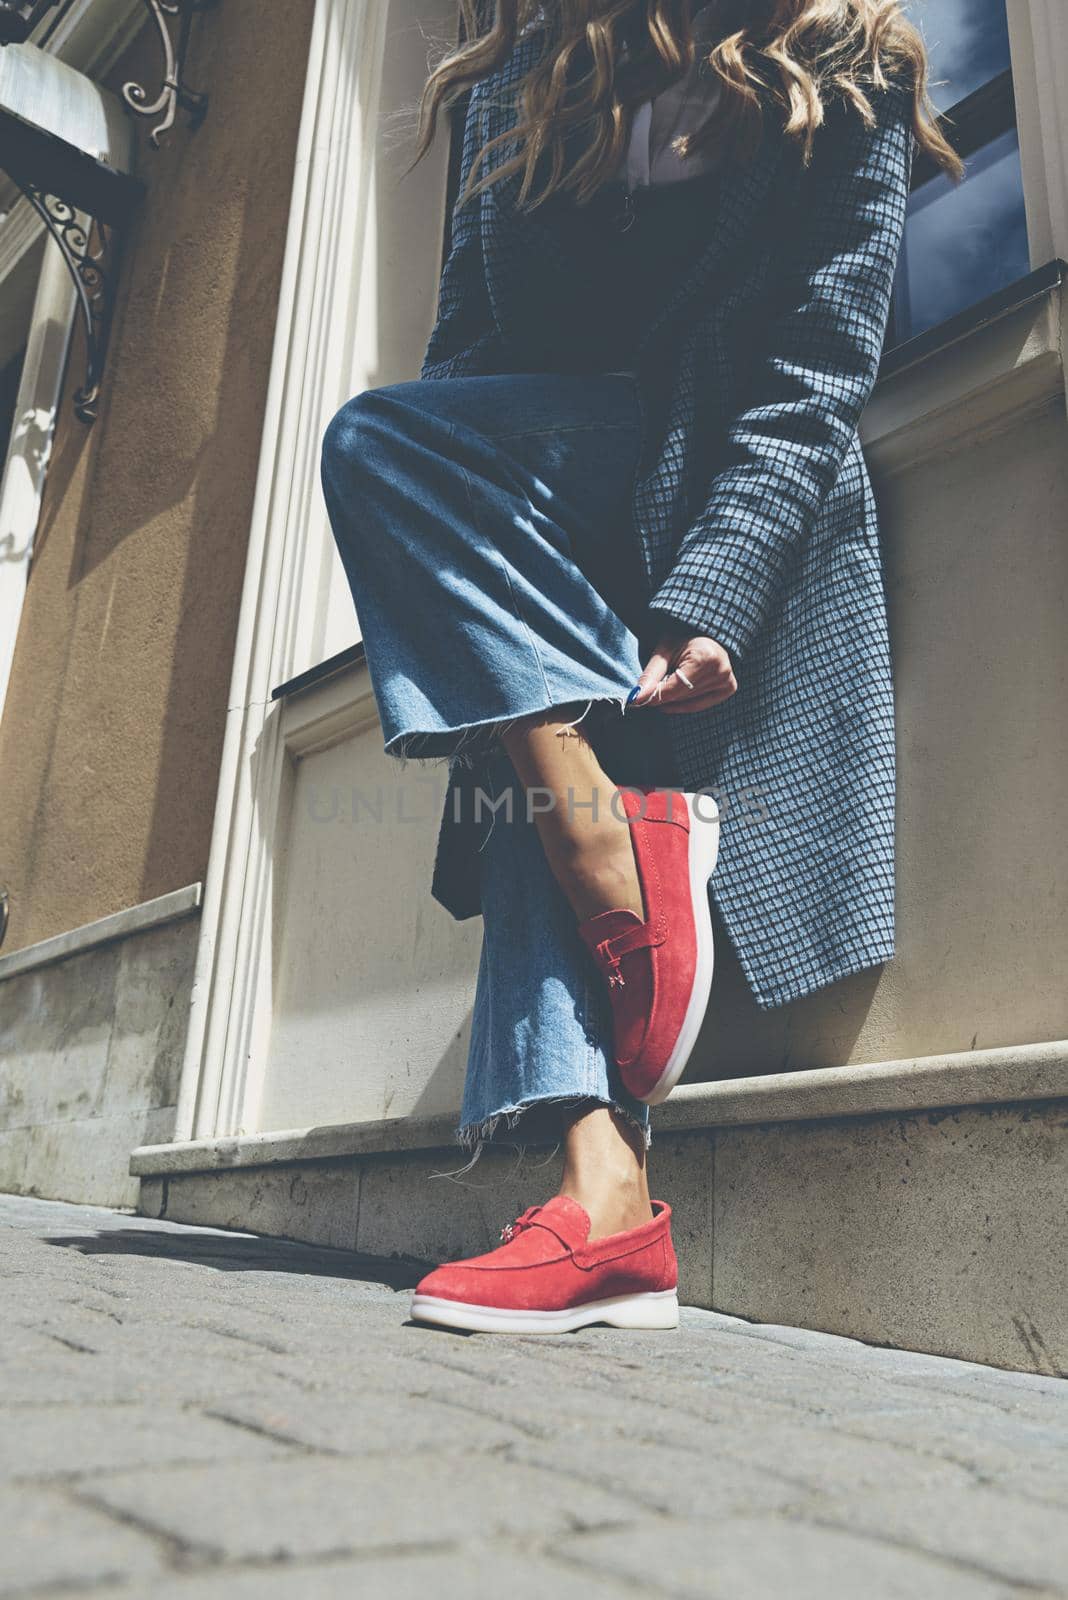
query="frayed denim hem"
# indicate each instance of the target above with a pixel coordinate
(474, 1137)
(467, 743)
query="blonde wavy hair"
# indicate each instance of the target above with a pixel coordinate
(794, 54)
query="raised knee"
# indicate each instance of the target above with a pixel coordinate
(347, 433)
(373, 431)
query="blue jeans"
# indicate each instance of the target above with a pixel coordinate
(485, 527)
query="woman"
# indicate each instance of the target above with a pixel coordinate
(615, 554)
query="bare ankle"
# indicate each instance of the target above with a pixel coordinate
(596, 869)
(605, 1170)
(615, 1210)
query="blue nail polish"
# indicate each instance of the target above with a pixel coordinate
(635, 691)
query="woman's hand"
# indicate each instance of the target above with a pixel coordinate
(686, 672)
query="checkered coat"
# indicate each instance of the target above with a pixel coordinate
(755, 512)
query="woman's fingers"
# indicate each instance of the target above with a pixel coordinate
(689, 684)
(695, 702)
(687, 674)
(656, 670)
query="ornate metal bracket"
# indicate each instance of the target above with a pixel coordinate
(175, 92)
(85, 190)
(92, 256)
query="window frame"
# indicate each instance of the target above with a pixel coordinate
(969, 125)
(972, 123)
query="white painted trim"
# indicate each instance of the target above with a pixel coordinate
(341, 707)
(1014, 1074)
(120, 925)
(30, 447)
(1029, 130)
(1042, 115)
(1039, 43)
(327, 291)
(329, 190)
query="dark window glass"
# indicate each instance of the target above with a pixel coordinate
(963, 241)
(967, 43)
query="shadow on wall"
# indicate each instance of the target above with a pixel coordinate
(739, 1040)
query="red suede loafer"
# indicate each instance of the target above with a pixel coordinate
(547, 1278)
(659, 972)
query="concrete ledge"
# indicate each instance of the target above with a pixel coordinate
(936, 1230)
(390, 1136)
(1019, 1073)
(134, 919)
(939, 1231)
(979, 383)
(928, 1083)
(91, 1041)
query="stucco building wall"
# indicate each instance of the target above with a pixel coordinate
(110, 740)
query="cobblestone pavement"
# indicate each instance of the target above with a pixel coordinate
(189, 1414)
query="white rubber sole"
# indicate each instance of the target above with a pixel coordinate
(654, 1309)
(704, 849)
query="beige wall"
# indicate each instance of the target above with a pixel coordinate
(976, 564)
(110, 741)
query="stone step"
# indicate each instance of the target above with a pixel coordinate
(917, 1204)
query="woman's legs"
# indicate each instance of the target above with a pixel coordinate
(540, 1048)
(605, 1170)
(587, 842)
(485, 526)
(588, 850)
